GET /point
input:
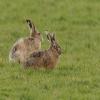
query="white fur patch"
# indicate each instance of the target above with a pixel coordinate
(10, 54)
(20, 40)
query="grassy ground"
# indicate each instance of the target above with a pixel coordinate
(77, 27)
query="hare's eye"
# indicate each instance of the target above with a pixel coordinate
(31, 39)
(38, 33)
(55, 46)
(14, 50)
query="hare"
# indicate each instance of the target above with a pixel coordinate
(47, 58)
(24, 46)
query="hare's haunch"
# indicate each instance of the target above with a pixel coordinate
(47, 58)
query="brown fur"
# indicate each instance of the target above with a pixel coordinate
(47, 58)
(24, 46)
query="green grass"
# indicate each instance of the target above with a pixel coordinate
(77, 27)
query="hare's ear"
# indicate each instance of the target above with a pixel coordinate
(31, 27)
(53, 36)
(49, 36)
(29, 23)
(33, 30)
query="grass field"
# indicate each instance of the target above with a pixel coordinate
(77, 27)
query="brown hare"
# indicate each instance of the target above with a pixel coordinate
(47, 58)
(24, 46)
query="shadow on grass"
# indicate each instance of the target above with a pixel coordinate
(61, 71)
